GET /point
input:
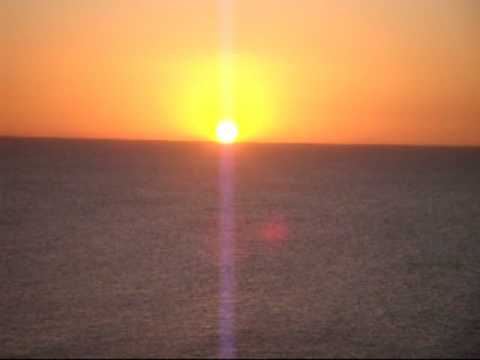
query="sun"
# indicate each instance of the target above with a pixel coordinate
(227, 132)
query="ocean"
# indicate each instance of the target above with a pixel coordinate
(158, 249)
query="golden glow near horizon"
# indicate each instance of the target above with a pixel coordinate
(200, 98)
(227, 132)
(287, 71)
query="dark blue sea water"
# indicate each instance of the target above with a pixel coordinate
(150, 249)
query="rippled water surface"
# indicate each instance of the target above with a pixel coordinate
(118, 249)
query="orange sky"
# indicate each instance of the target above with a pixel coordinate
(341, 71)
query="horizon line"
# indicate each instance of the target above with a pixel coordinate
(193, 141)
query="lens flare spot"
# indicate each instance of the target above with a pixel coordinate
(275, 230)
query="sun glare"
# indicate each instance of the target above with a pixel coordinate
(227, 132)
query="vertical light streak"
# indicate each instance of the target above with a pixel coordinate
(227, 240)
(226, 59)
(227, 243)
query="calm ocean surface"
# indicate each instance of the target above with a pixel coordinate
(118, 249)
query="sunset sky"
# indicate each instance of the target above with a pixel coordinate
(333, 71)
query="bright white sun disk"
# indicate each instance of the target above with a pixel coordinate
(227, 132)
